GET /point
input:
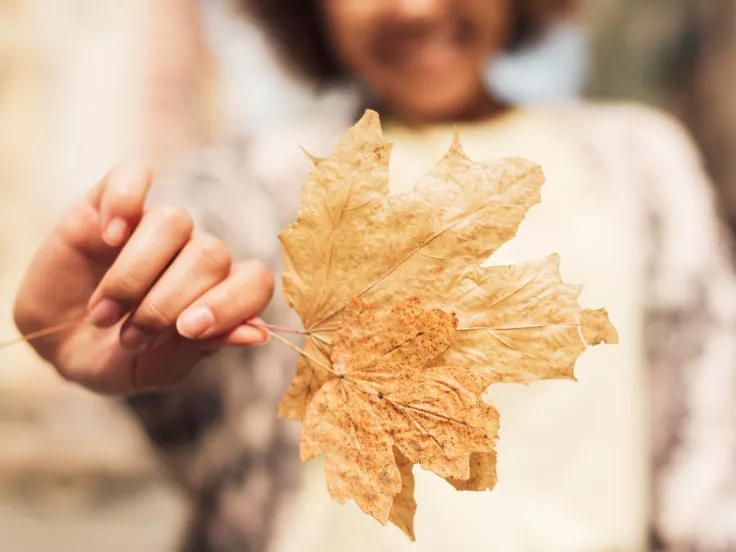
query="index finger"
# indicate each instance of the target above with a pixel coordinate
(120, 198)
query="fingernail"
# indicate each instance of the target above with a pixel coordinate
(194, 322)
(258, 323)
(134, 340)
(265, 338)
(251, 335)
(106, 313)
(116, 232)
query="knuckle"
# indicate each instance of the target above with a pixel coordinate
(128, 175)
(123, 286)
(151, 317)
(214, 254)
(174, 219)
(121, 198)
(261, 276)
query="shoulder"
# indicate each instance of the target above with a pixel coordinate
(270, 156)
(246, 188)
(280, 151)
(661, 168)
(652, 147)
(649, 162)
(647, 134)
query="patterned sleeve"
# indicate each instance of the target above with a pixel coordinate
(691, 344)
(218, 434)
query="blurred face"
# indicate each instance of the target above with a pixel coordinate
(423, 59)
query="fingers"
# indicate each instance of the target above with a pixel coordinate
(215, 318)
(88, 228)
(237, 299)
(247, 335)
(161, 235)
(203, 263)
(171, 279)
(120, 199)
(166, 277)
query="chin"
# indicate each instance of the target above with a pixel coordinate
(438, 107)
(439, 100)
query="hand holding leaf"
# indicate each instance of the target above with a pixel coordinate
(405, 325)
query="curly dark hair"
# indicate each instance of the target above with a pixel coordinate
(295, 28)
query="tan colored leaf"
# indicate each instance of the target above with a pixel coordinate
(384, 396)
(518, 324)
(482, 473)
(597, 328)
(404, 506)
(341, 190)
(352, 240)
(310, 376)
(379, 391)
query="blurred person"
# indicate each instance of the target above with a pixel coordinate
(639, 454)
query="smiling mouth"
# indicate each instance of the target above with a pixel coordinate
(424, 49)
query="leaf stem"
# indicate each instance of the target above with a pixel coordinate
(269, 328)
(40, 333)
(297, 349)
(320, 338)
(276, 328)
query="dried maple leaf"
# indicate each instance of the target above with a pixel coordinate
(386, 409)
(522, 323)
(404, 506)
(354, 240)
(596, 328)
(378, 394)
(482, 473)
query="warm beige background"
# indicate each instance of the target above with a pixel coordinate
(82, 85)
(85, 83)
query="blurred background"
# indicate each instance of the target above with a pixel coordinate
(85, 83)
